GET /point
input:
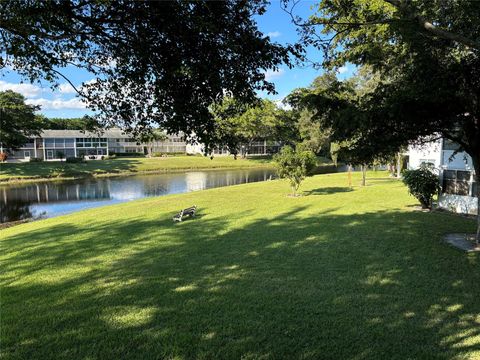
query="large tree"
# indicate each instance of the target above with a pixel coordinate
(239, 124)
(156, 62)
(17, 120)
(427, 55)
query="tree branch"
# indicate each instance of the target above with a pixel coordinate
(434, 30)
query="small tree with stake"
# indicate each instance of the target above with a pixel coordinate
(294, 165)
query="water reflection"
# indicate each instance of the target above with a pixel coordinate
(50, 199)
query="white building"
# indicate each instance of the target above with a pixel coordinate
(457, 175)
(61, 144)
(53, 145)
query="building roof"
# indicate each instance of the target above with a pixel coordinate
(110, 133)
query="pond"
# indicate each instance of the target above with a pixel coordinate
(48, 199)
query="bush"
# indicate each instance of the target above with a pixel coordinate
(75, 160)
(423, 184)
(36, 159)
(164, 154)
(128, 154)
(294, 165)
(3, 156)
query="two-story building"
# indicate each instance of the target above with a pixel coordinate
(61, 144)
(54, 145)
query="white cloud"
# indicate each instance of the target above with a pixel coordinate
(66, 88)
(56, 104)
(343, 69)
(274, 34)
(273, 74)
(281, 105)
(27, 90)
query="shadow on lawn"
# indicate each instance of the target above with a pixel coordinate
(328, 190)
(337, 286)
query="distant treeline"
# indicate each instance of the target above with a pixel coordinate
(83, 123)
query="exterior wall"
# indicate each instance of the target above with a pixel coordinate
(429, 153)
(61, 144)
(458, 186)
(72, 143)
(458, 203)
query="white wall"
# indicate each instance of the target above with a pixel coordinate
(430, 152)
(194, 149)
(458, 203)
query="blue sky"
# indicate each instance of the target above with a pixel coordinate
(275, 23)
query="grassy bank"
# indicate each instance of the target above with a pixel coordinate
(338, 273)
(11, 172)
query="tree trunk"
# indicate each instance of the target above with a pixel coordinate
(349, 175)
(476, 166)
(364, 175)
(399, 165)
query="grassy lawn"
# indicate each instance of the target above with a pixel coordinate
(23, 171)
(337, 273)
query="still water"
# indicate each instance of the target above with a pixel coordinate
(49, 199)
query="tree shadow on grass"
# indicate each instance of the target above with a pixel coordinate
(371, 285)
(327, 190)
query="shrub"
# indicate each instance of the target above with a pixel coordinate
(294, 165)
(3, 156)
(74, 160)
(423, 184)
(36, 159)
(128, 154)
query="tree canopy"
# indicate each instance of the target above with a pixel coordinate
(86, 123)
(156, 63)
(241, 124)
(17, 120)
(426, 56)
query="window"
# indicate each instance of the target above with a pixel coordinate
(49, 142)
(26, 154)
(458, 182)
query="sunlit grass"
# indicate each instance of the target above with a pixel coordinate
(337, 273)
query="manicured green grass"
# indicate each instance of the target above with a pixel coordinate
(337, 273)
(119, 166)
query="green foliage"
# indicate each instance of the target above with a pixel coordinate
(156, 62)
(423, 184)
(75, 160)
(294, 165)
(240, 124)
(312, 135)
(35, 159)
(86, 123)
(17, 120)
(413, 47)
(128, 154)
(334, 148)
(167, 154)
